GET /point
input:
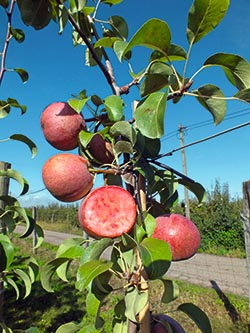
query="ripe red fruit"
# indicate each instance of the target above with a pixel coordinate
(66, 177)
(159, 327)
(101, 150)
(61, 125)
(107, 211)
(180, 233)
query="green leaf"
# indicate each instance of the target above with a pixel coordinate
(68, 328)
(13, 284)
(135, 302)
(243, 95)
(27, 141)
(89, 60)
(236, 68)
(174, 53)
(6, 252)
(77, 5)
(18, 177)
(123, 128)
(77, 104)
(114, 107)
(94, 250)
(24, 217)
(62, 15)
(48, 270)
(198, 190)
(39, 235)
(18, 34)
(112, 2)
(154, 34)
(71, 248)
(123, 147)
(157, 77)
(213, 99)
(203, 17)
(149, 115)
(26, 279)
(156, 257)
(106, 42)
(171, 291)
(14, 103)
(24, 75)
(88, 271)
(197, 315)
(119, 26)
(36, 13)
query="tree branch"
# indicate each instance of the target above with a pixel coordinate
(6, 43)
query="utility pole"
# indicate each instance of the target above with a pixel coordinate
(184, 168)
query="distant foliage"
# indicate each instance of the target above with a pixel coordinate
(218, 219)
(55, 213)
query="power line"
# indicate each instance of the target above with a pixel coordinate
(201, 140)
(233, 115)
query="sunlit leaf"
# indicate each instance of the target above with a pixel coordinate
(236, 68)
(135, 301)
(197, 315)
(89, 59)
(88, 271)
(77, 104)
(154, 34)
(213, 99)
(106, 42)
(14, 103)
(243, 95)
(39, 236)
(77, 5)
(18, 177)
(149, 115)
(95, 249)
(112, 2)
(48, 270)
(203, 17)
(18, 34)
(27, 141)
(68, 328)
(156, 257)
(26, 280)
(13, 284)
(114, 106)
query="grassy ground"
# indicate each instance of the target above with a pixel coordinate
(228, 313)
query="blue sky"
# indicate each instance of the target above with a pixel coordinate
(57, 71)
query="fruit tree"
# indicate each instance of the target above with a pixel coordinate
(132, 236)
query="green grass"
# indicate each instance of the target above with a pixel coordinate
(228, 313)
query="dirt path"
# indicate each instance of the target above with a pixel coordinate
(227, 274)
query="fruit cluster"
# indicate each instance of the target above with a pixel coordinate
(107, 211)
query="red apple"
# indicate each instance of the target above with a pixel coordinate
(180, 233)
(101, 150)
(66, 177)
(159, 327)
(61, 125)
(107, 211)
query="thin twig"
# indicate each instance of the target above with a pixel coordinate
(7, 39)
